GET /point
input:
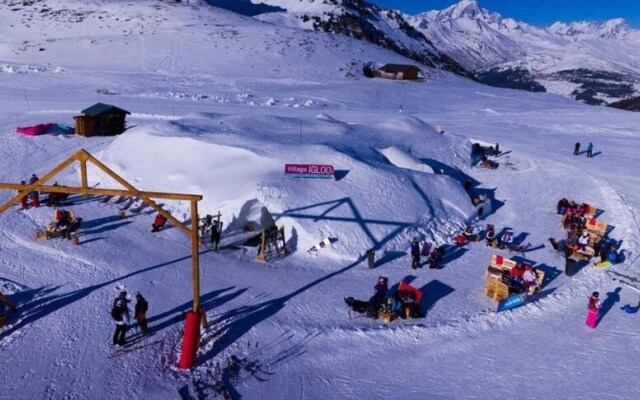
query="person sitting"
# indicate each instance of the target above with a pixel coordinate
(73, 226)
(410, 308)
(583, 241)
(61, 221)
(435, 258)
(506, 240)
(562, 206)
(583, 209)
(515, 277)
(159, 222)
(491, 236)
(529, 280)
(468, 234)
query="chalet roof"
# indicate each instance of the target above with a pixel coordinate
(399, 68)
(101, 108)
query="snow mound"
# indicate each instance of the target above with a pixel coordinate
(403, 159)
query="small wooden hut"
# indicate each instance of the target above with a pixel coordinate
(398, 71)
(101, 119)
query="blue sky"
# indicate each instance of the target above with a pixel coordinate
(536, 12)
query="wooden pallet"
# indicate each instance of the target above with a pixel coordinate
(388, 316)
(496, 289)
(596, 227)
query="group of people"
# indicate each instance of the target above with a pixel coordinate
(402, 302)
(33, 198)
(65, 223)
(521, 278)
(576, 149)
(579, 240)
(435, 256)
(121, 316)
(213, 228)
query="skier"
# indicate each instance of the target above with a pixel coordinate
(120, 313)
(593, 310)
(140, 312)
(415, 253)
(576, 149)
(35, 196)
(158, 222)
(590, 150)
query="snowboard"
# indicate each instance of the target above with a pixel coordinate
(512, 301)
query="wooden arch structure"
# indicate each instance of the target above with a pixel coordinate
(83, 157)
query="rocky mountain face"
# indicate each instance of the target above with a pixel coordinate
(363, 21)
(596, 63)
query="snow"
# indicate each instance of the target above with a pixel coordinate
(233, 153)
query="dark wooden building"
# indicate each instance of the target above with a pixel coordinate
(398, 71)
(101, 119)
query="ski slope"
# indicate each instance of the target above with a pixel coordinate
(223, 125)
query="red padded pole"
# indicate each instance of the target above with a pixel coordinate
(190, 340)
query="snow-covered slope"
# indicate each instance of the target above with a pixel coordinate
(219, 103)
(593, 62)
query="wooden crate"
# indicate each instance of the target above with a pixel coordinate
(596, 227)
(496, 289)
(388, 316)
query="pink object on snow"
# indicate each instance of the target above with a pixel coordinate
(34, 130)
(592, 317)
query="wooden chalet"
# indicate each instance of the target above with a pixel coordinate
(398, 71)
(101, 120)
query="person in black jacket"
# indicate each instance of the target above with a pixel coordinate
(141, 313)
(576, 149)
(415, 253)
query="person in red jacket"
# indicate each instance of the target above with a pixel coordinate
(159, 222)
(515, 276)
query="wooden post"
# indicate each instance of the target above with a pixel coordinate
(195, 256)
(83, 176)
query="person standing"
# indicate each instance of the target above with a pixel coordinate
(593, 310)
(35, 196)
(216, 227)
(415, 253)
(576, 149)
(120, 313)
(141, 313)
(590, 150)
(23, 201)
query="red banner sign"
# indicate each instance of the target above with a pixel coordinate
(309, 170)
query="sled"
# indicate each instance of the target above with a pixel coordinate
(603, 264)
(513, 301)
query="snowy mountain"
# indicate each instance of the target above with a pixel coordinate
(593, 62)
(219, 103)
(354, 18)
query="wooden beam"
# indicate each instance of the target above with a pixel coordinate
(195, 256)
(107, 192)
(44, 179)
(83, 177)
